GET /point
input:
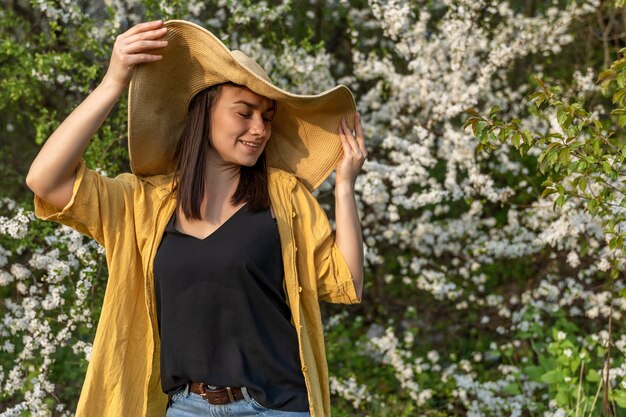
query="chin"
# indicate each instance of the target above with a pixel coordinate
(249, 163)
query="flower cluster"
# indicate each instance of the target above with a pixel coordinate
(52, 305)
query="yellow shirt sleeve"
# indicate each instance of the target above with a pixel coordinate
(98, 206)
(334, 280)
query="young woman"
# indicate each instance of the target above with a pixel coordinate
(218, 254)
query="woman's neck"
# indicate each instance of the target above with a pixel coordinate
(221, 180)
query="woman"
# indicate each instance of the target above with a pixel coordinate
(218, 254)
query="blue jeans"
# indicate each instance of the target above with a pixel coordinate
(189, 404)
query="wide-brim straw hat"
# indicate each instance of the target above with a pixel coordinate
(304, 140)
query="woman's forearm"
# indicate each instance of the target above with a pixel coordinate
(348, 236)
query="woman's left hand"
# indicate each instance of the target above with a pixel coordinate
(354, 152)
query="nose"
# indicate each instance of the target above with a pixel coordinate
(257, 126)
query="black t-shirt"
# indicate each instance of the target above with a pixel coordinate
(222, 311)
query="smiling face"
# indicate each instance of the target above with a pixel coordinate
(241, 125)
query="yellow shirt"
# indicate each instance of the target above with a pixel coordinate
(127, 215)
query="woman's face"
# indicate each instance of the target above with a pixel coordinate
(241, 125)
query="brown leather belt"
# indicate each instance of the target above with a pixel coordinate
(217, 396)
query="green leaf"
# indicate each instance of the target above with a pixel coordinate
(547, 192)
(494, 110)
(471, 121)
(618, 97)
(619, 396)
(528, 137)
(593, 375)
(534, 373)
(564, 156)
(605, 75)
(607, 168)
(560, 188)
(598, 125)
(552, 377)
(512, 389)
(562, 396)
(482, 131)
(516, 139)
(596, 147)
(564, 119)
(559, 201)
(541, 83)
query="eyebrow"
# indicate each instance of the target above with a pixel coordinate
(256, 106)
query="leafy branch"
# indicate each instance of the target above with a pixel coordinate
(584, 159)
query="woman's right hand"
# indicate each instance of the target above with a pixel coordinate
(131, 48)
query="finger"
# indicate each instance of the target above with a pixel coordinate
(360, 136)
(358, 151)
(135, 59)
(358, 129)
(143, 46)
(347, 149)
(142, 27)
(351, 140)
(148, 35)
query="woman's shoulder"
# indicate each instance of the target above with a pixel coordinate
(157, 181)
(157, 185)
(289, 181)
(151, 180)
(280, 175)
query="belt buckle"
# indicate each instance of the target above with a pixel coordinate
(203, 391)
(229, 391)
(214, 388)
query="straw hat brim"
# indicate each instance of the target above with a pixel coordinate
(304, 139)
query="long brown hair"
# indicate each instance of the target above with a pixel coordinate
(190, 156)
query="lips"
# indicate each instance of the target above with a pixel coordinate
(253, 145)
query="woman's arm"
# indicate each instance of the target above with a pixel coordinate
(52, 173)
(348, 235)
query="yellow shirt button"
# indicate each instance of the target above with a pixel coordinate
(293, 214)
(304, 368)
(299, 289)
